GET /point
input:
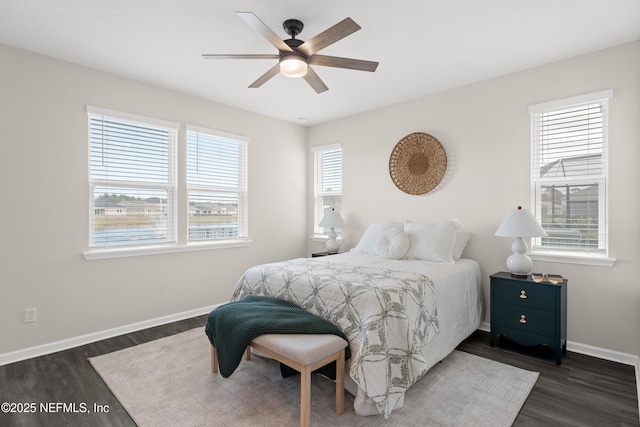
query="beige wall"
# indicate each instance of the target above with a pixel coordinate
(485, 129)
(44, 206)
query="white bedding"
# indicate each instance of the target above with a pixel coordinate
(460, 300)
(458, 296)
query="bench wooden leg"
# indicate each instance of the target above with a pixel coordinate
(214, 360)
(305, 397)
(340, 383)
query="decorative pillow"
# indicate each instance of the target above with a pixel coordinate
(393, 243)
(367, 244)
(462, 238)
(431, 241)
(456, 223)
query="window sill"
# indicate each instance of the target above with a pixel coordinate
(573, 258)
(156, 250)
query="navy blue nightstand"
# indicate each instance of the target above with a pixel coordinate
(529, 313)
(319, 254)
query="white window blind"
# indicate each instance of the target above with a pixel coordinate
(327, 182)
(570, 172)
(216, 185)
(132, 180)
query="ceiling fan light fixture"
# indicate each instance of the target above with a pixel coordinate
(293, 66)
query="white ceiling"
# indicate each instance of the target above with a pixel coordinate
(423, 46)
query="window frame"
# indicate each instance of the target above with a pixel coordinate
(178, 159)
(575, 255)
(143, 184)
(241, 191)
(319, 193)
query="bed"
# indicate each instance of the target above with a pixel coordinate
(403, 297)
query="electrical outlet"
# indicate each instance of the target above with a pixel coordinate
(29, 315)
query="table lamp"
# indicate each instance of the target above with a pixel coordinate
(520, 223)
(332, 220)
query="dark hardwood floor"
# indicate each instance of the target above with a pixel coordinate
(584, 391)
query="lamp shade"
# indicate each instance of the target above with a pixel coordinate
(520, 223)
(293, 66)
(332, 219)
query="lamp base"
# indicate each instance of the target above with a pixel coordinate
(519, 263)
(333, 245)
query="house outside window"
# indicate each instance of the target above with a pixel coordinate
(327, 161)
(570, 174)
(216, 185)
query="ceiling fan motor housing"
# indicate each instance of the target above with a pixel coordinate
(293, 44)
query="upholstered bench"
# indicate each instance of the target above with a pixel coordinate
(305, 353)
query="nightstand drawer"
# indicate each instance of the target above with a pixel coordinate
(524, 319)
(525, 294)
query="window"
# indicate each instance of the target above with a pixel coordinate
(135, 186)
(216, 185)
(327, 160)
(569, 173)
(132, 180)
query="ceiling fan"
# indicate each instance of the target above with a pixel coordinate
(294, 56)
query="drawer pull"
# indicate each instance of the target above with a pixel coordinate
(523, 319)
(523, 294)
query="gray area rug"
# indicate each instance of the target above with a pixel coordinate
(168, 382)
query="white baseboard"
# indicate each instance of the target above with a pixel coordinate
(485, 326)
(41, 350)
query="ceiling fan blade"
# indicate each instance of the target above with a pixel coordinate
(266, 77)
(239, 56)
(266, 32)
(314, 81)
(336, 61)
(329, 36)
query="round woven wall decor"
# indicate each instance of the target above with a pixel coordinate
(417, 163)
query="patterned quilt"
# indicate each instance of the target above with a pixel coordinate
(387, 316)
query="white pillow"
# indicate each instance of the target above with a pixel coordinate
(431, 241)
(462, 238)
(393, 243)
(367, 244)
(456, 223)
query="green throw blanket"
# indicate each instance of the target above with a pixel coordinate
(231, 327)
